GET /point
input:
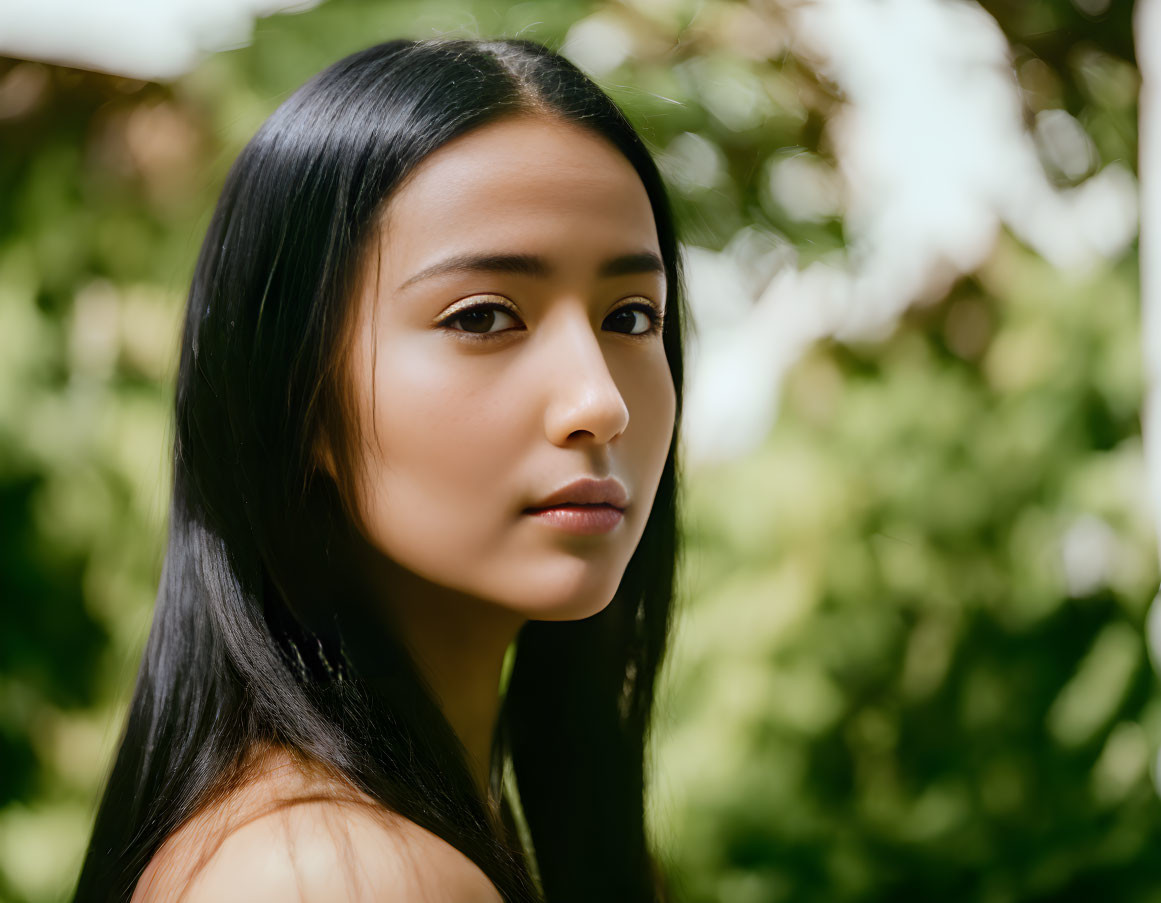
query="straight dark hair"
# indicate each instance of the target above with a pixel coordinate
(263, 632)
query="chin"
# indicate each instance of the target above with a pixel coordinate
(572, 610)
(567, 598)
(573, 589)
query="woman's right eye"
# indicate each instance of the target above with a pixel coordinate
(480, 319)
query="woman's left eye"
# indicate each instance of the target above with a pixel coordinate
(637, 319)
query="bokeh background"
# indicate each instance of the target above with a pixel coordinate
(911, 658)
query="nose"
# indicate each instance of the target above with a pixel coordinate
(585, 404)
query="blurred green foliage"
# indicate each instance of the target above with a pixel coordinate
(891, 679)
(889, 684)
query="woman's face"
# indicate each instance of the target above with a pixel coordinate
(483, 387)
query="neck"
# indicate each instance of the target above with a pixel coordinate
(459, 643)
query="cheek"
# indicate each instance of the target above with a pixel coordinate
(437, 481)
(654, 414)
(652, 404)
(657, 411)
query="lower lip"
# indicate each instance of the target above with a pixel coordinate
(580, 519)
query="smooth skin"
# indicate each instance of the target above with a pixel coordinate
(479, 390)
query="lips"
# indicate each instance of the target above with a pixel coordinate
(585, 492)
(581, 520)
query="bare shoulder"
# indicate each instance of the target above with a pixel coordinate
(323, 851)
(313, 850)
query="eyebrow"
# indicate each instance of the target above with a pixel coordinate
(534, 265)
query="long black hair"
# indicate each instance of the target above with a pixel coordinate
(262, 632)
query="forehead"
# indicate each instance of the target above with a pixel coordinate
(526, 184)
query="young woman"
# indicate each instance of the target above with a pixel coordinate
(423, 527)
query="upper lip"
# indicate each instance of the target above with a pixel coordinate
(587, 491)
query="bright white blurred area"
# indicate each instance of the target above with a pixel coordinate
(145, 39)
(933, 160)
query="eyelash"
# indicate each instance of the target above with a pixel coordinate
(656, 320)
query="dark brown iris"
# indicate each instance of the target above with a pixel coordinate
(478, 320)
